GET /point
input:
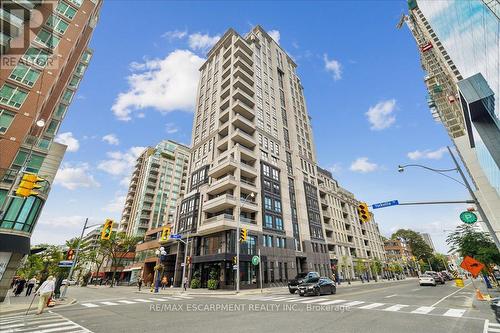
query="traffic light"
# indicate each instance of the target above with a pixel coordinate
(165, 233)
(188, 260)
(243, 234)
(29, 182)
(106, 229)
(70, 255)
(235, 260)
(363, 213)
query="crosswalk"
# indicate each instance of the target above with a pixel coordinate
(47, 322)
(96, 304)
(405, 308)
(491, 327)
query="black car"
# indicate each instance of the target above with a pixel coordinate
(495, 306)
(300, 278)
(317, 286)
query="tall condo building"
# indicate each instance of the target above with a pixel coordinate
(459, 44)
(157, 181)
(427, 238)
(44, 54)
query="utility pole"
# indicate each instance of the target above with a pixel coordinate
(74, 260)
(260, 272)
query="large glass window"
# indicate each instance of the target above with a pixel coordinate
(66, 10)
(52, 128)
(269, 221)
(67, 96)
(36, 56)
(267, 203)
(34, 163)
(6, 119)
(24, 74)
(12, 96)
(60, 111)
(279, 223)
(47, 38)
(21, 214)
(58, 24)
(75, 80)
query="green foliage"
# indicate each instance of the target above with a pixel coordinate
(469, 242)
(376, 266)
(419, 248)
(195, 283)
(359, 267)
(211, 284)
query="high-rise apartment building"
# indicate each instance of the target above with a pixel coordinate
(44, 54)
(157, 181)
(458, 42)
(351, 244)
(427, 238)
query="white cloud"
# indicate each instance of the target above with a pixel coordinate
(363, 165)
(427, 154)
(170, 128)
(116, 204)
(335, 168)
(75, 176)
(63, 221)
(175, 34)
(163, 84)
(202, 42)
(120, 163)
(334, 67)
(111, 139)
(275, 34)
(381, 116)
(69, 140)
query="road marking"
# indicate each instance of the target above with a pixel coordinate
(184, 296)
(396, 307)
(371, 306)
(353, 303)
(109, 303)
(47, 323)
(494, 330)
(90, 305)
(126, 302)
(157, 299)
(142, 300)
(485, 326)
(295, 300)
(423, 309)
(315, 300)
(453, 293)
(333, 302)
(391, 296)
(493, 324)
(454, 313)
(416, 289)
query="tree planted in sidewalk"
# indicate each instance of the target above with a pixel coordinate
(117, 248)
(419, 248)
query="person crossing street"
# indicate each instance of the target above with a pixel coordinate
(45, 292)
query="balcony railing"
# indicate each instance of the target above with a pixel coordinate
(219, 218)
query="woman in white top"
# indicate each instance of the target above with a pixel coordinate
(45, 292)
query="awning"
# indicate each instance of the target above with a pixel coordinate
(132, 269)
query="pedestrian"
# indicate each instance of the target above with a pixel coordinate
(185, 283)
(171, 282)
(45, 292)
(164, 282)
(139, 283)
(20, 286)
(30, 286)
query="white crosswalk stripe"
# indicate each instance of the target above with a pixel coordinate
(109, 303)
(47, 322)
(353, 303)
(333, 302)
(96, 304)
(396, 307)
(315, 300)
(90, 305)
(126, 302)
(372, 306)
(454, 313)
(492, 327)
(423, 309)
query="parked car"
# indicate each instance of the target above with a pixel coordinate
(495, 306)
(426, 280)
(447, 275)
(437, 276)
(300, 278)
(317, 286)
(71, 282)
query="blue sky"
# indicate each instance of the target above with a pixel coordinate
(363, 87)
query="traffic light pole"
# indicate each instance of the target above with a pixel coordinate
(185, 261)
(74, 260)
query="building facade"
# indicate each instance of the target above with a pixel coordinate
(158, 179)
(427, 239)
(399, 252)
(44, 54)
(461, 61)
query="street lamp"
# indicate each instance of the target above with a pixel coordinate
(243, 201)
(466, 184)
(160, 254)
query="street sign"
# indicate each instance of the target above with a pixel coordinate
(468, 217)
(235, 267)
(255, 260)
(65, 263)
(472, 265)
(385, 204)
(182, 264)
(175, 236)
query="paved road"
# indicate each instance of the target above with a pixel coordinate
(395, 307)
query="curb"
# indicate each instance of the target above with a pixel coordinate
(33, 309)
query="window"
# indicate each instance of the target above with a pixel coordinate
(267, 203)
(279, 223)
(24, 74)
(266, 170)
(77, 3)
(52, 128)
(275, 174)
(6, 119)
(36, 56)
(34, 163)
(75, 80)
(269, 221)
(12, 96)
(67, 96)
(66, 10)
(277, 206)
(268, 241)
(60, 111)
(47, 39)
(57, 24)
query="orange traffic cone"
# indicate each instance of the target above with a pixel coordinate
(479, 296)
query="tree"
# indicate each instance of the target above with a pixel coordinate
(478, 245)
(419, 248)
(438, 262)
(117, 248)
(360, 267)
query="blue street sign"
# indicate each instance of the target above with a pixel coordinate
(175, 236)
(385, 204)
(65, 263)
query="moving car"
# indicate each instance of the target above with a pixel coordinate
(437, 276)
(495, 306)
(426, 280)
(70, 282)
(317, 286)
(447, 275)
(300, 278)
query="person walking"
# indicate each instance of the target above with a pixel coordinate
(139, 283)
(30, 286)
(185, 283)
(164, 282)
(45, 292)
(20, 286)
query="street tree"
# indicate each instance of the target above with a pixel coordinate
(419, 248)
(117, 248)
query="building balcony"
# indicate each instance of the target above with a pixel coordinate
(244, 109)
(246, 153)
(13, 24)
(225, 83)
(326, 214)
(243, 85)
(240, 43)
(241, 95)
(222, 144)
(248, 185)
(239, 72)
(224, 166)
(219, 203)
(216, 223)
(243, 138)
(244, 62)
(226, 72)
(224, 110)
(249, 206)
(222, 185)
(247, 170)
(324, 202)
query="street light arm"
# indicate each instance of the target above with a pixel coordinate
(425, 167)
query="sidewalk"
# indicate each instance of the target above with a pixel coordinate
(21, 303)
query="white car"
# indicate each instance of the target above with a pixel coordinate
(71, 282)
(427, 280)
